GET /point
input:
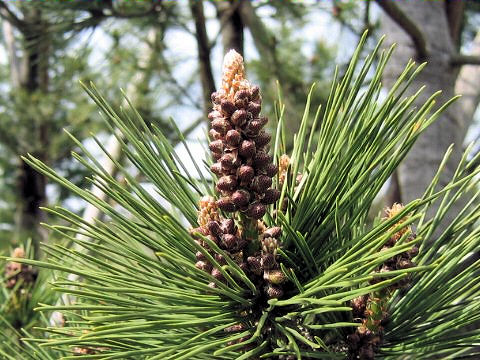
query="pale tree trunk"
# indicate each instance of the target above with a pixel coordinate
(421, 31)
(114, 148)
(11, 47)
(137, 86)
(468, 85)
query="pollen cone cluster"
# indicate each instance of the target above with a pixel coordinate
(239, 145)
(372, 309)
(261, 265)
(403, 260)
(245, 171)
(17, 273)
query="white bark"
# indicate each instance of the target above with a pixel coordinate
(468, 85)
(9, 37)
(417, 170)
(114, 146)
(420, 165)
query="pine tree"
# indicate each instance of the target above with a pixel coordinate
(274, 257)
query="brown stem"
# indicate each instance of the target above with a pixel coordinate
(206, 75)
(455, 11)
(413, 31)
(231, 25)
(461, 59)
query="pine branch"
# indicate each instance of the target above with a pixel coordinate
(203, 48)
(413, 31)
(462, 59)
(7, 14)
(153, 289)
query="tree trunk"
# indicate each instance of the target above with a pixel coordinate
(231, 25)
(430, 20)
(467, 85)
(32, 192)
(203, 45)
(31, 184)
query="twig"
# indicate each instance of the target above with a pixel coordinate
(10, 16)
(462, 59)
(407, 25)
(203, 47)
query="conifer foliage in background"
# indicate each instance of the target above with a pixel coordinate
(278, 259)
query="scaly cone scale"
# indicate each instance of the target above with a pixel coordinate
(239, 145)
(245, 171)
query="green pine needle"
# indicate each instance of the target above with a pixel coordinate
(140, 296)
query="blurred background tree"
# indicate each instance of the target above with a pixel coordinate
(166, 55)
(445, 35)
(53, 45)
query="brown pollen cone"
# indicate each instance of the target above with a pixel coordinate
(239, 145)
(15, 271)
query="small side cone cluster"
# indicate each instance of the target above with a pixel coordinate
(372, 308)
(261, 265)
(18, 274)
(223, 232)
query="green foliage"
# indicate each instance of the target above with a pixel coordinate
(138, 293)
(18, 300)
